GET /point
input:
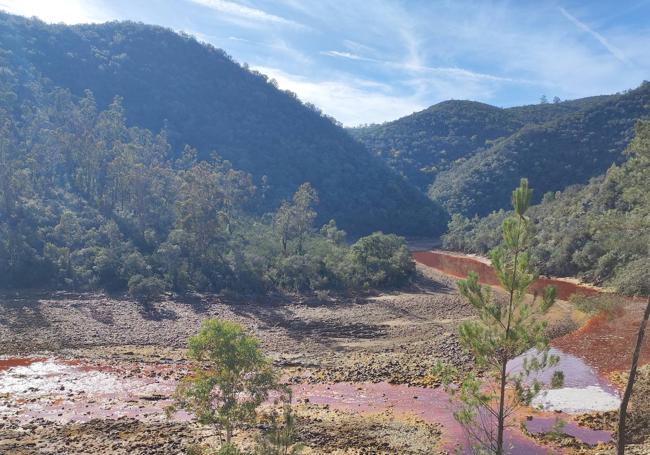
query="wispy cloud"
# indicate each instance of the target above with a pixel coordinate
(344, 54)
(616, 52)
(350, 100)
(246, 13)
(412, 65)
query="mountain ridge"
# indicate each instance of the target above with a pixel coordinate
(201, 97)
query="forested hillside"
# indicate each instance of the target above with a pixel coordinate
(553, 155)
(88, 202)
(421, 145)
(599, 231)
(201, 97)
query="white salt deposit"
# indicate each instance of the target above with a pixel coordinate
(574, 400)
(49, 377)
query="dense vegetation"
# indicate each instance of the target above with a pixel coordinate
(471, 152)
(599, 231)
(87, 202)
(423, 144)
(200, 96)
(553, 155)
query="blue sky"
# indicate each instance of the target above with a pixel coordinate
(376, 60)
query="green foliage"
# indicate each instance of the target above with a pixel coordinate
(507, 327)
(231, 379)
(279, 438)
(146, 289)
(563, 151)
(87, 202)
(421, 145)
(598, 231)
(220, 105)
(557, 380)
(382, 260)
(426, 145)
(294, 221)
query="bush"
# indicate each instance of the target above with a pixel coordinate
(299, 273)
(146, 289)
(633, 278)
(381, 260)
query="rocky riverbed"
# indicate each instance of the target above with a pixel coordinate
(97, 371)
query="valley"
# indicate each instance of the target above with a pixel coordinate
(195, 259)
(96, 373)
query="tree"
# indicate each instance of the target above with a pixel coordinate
(543, 100)
(629, 386)
(146, 289)
(295, 220)
(283, 225)
(505, 329)
(382, 260)
(639, 148)
(556, 100)
(303, 202)
(280, 438)
(231, 379)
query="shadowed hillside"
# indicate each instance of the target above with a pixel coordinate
(203, 98)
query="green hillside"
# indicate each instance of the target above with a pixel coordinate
(553, 155)
(599, 231)
(421, 145)
(201, 97)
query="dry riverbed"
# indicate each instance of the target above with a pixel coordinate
(131, 355)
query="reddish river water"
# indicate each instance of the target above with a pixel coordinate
(65, 391)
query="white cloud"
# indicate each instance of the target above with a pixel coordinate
(617, 53)
(344, 54)
(452, 72)
(246, 13)
(55, 11)
(351, 101)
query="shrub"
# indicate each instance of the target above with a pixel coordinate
(381, 260)
(146, 289)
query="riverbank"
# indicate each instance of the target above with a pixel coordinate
(369, 340)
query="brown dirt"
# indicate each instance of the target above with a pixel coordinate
(115, 437)
(337, 432)
(393, 337)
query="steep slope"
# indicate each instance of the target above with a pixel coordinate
(204, 99)
(422, 144)
(553, 155)
(598, 231)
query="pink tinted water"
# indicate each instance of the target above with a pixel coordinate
(432, 405)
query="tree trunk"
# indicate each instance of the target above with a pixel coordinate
(502, 401)
(620, 444)
(228, 434)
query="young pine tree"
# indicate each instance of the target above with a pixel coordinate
(280, 437)
(507, 327)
